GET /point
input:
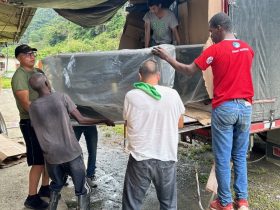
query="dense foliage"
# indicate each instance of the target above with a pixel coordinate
(52, 34)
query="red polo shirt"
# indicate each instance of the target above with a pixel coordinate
(231, 62)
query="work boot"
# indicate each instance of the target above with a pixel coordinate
(44, 191)
(54, 198)
(92, 181)
(35, 202)
(216, 205)
(84, 202)
(241, 204)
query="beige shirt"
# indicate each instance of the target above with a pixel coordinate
(162, 26)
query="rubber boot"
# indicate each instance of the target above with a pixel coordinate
(84, 202)
(54, 198)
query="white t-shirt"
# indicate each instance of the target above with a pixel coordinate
(152, 125)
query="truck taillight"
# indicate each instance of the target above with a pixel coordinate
(276, 151)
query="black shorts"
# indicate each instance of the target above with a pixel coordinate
(33, 149)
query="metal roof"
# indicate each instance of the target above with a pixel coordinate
(13, 22)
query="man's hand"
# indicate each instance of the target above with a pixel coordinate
(109, 122)
(89, 121)
(160, 52)
(181, 67)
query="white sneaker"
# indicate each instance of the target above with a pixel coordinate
(92, 181)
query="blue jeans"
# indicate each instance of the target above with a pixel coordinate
(230, 138)
(75, 168)
(90, 133)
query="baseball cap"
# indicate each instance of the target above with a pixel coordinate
(24, 48)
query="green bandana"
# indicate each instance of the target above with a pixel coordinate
(147, 88)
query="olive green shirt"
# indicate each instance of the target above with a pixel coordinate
(20, 82)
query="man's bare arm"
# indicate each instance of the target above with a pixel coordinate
(176, 35)
(89, 121)
(23, 97)
(147, 33)
(181, 122)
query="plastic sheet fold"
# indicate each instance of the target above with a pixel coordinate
(190, 88)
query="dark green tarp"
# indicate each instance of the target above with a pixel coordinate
(57, 4)
(96, 15)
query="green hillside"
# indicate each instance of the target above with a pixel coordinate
(52, 34)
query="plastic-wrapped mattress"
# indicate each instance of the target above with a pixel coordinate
(100, 80)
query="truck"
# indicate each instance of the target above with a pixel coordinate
(256, 22)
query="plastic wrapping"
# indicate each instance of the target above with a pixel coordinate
(13, 22)
(190, 88)
(100, 80)
(257, 22)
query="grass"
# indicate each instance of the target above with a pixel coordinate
(115, 132)
(203, 178)
(259, 171)
(119, 129)
(261, 199)
(5, 82)
(195, 152)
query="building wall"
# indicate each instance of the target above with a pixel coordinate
(12, 64)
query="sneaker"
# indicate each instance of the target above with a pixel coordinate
(44, 191)
(65, 180)
(216, 205)
(35, 202)
(241, 204)
(92, 181)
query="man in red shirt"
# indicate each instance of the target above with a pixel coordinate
(231, 62)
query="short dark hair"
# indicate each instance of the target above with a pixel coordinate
(221, 19)
(148, 67)
(154, 2)
(37, 81)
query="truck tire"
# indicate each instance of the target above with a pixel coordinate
(3, 128)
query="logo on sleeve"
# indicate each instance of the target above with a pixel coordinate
(209, 60)
(236, 44)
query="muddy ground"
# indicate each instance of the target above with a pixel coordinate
(264, 179)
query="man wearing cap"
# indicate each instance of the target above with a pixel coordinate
(24, 95)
